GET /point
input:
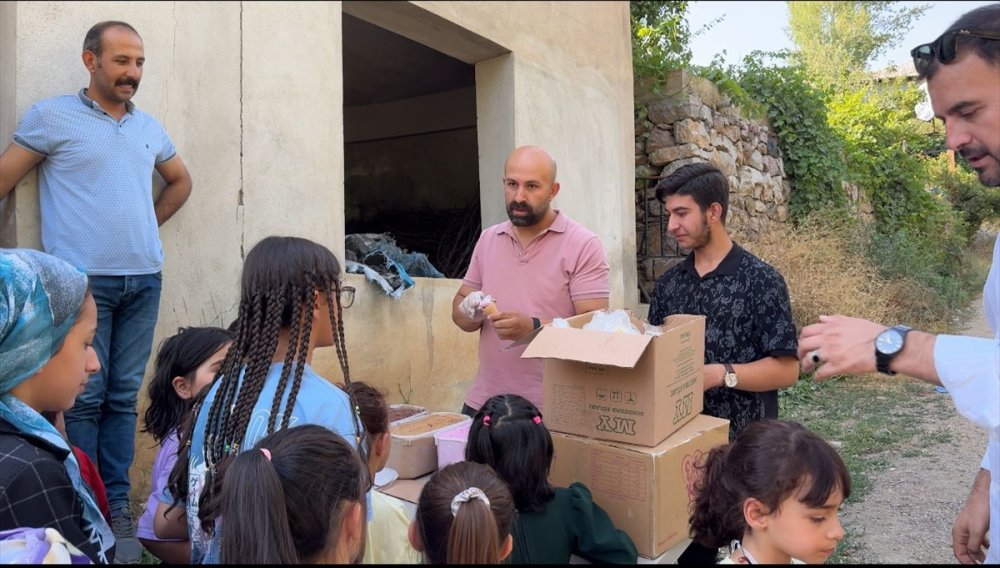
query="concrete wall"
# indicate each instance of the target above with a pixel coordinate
(567, 81)
(251, 94)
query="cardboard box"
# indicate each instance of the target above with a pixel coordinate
(617, 386)
(647, 492)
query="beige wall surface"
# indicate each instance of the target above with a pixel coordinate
(572, 83)
(251, 94)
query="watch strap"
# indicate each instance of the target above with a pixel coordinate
(882, 362)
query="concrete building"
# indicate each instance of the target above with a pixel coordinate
(271, 103)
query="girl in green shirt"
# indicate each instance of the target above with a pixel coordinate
(552, 523)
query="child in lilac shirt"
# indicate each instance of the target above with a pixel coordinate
(185, 364)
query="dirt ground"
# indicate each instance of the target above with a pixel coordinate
(908, 515)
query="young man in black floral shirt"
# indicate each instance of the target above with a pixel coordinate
(750, 338)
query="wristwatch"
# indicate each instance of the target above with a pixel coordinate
(888, 344)
(729, 379)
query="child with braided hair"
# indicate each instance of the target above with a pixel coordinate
(464, 516)
(291, 302)
(552, 524)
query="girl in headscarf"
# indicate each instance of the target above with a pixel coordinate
(47, 323)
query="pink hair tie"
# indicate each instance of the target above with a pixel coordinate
(266, 452)
(537, 420)
(486, 420)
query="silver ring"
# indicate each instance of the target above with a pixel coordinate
(814, 356)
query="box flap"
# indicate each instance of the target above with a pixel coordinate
(586, 346)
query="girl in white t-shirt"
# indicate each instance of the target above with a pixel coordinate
(772, 496)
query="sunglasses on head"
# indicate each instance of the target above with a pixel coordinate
(944, 48)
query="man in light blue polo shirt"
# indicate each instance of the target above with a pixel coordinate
(96, 154)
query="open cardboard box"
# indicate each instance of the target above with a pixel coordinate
(617, 386)
(646, 491)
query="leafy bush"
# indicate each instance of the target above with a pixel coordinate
(811, 150)
(660, 38)
(976, 204)
(877, 126)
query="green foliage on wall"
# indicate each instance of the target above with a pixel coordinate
(660, 40)
(724, 79)
(813, 154)
(876, 124)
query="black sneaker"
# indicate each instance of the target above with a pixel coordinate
(128, 550)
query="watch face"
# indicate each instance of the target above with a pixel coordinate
(730, 380)
(889, 342)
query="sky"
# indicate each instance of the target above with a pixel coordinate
(761, 25)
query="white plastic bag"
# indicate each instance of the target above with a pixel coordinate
(616, 321)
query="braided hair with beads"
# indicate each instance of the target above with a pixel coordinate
(284, 280)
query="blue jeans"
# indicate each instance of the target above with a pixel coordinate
(103, 419)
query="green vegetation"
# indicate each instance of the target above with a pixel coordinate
(975, 204)
(837, 40)
(836, 124)
(660, 38)
(813, 154)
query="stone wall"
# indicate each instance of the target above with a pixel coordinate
(692, 122)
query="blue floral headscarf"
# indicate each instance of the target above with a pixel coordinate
(40, 297)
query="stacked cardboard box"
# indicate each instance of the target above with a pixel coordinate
(646, 491)
(625, 415)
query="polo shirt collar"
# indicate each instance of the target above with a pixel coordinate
(728, 267)
(560, 225)
(129, 105)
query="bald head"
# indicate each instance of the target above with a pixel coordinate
(529, 180)
(534, 158)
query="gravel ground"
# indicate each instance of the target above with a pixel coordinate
(908, 515)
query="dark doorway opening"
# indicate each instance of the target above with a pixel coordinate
(411, 156)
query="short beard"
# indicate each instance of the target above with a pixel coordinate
(989, 176)
(704, 239)
(532, 217)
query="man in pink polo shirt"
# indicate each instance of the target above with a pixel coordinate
(537, 266)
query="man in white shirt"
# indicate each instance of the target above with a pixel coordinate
(962, 68)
